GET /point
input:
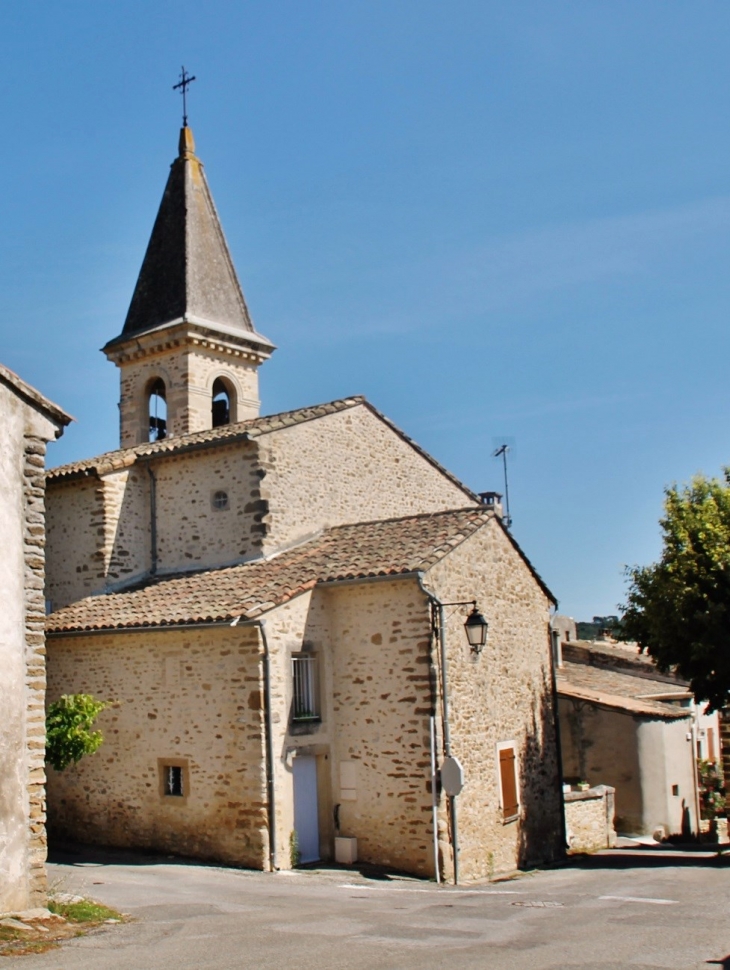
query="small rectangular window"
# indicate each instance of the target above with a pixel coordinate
(508, 786)
(305, 706)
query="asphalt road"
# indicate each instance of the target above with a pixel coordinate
(645, 909)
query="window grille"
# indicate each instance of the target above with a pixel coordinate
(173, 780)
(220, 501)
(304, 678)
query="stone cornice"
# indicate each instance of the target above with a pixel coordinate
(190, 333)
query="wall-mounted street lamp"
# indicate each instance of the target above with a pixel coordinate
(475, 627)
(476, 630)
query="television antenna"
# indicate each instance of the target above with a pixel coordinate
(502, 452)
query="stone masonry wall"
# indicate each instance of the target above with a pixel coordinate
(188, 374)
(503, 696)
(346, 467)
(189, 698)
(35, 662)
(99, 533)
(381, 704)
(589, 819)
(371, 644)
(190, 531)
(74, 539)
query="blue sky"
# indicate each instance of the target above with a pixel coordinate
(491, 219)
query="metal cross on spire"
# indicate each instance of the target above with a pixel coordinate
(185, 81)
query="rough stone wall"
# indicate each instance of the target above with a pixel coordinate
(22, 654)
(99, 532)
(589, 819)
(504, 695)
(75, 524)
(381, 704)
(35, 661)
(371, 644)
(190, 531)
(191, 698)
(188, 373)
(296, 626)
(127, 551)
(346, 467)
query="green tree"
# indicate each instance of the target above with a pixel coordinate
(678, 609)
(68, 729)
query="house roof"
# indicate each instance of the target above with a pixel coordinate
(34, 397)
(620, 656)
(187, 272)
(390, 547)
(228, 434)
(620, 691)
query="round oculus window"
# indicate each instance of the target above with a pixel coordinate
(220, 501)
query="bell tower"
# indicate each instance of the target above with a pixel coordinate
(188, 354)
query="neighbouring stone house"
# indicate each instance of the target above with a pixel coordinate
(29, 421)
(268, 602)
(626, 725)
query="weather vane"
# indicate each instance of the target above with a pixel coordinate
(185, 81)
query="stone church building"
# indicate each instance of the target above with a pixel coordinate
(276, 606)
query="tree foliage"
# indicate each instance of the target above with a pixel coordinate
(678, 609)
(68, 729)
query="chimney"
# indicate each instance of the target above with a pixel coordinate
(493, 501)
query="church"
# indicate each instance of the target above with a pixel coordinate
(316, 643)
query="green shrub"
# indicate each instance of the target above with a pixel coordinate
(68, 729)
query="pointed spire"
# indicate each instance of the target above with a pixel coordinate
(187, 273)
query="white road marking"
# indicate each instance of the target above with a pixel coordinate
(642, 899)
(404, 889)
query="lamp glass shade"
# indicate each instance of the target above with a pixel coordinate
(476, 629)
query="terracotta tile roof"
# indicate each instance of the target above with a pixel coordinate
(619, 656)
(242, 431)
(389, 547)
(621, 691)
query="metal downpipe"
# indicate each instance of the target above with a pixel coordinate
(269, 745)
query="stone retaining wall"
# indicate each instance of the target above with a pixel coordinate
(589, 819)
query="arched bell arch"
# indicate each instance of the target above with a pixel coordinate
(223, 402)
(157, 409)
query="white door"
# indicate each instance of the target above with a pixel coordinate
(306, 821)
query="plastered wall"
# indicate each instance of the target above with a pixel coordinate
(22, 654)
(186, 697)
(642, 758)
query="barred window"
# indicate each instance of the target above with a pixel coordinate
(304, 678)
(173, 780)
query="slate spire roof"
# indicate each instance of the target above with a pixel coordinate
(187, 273)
